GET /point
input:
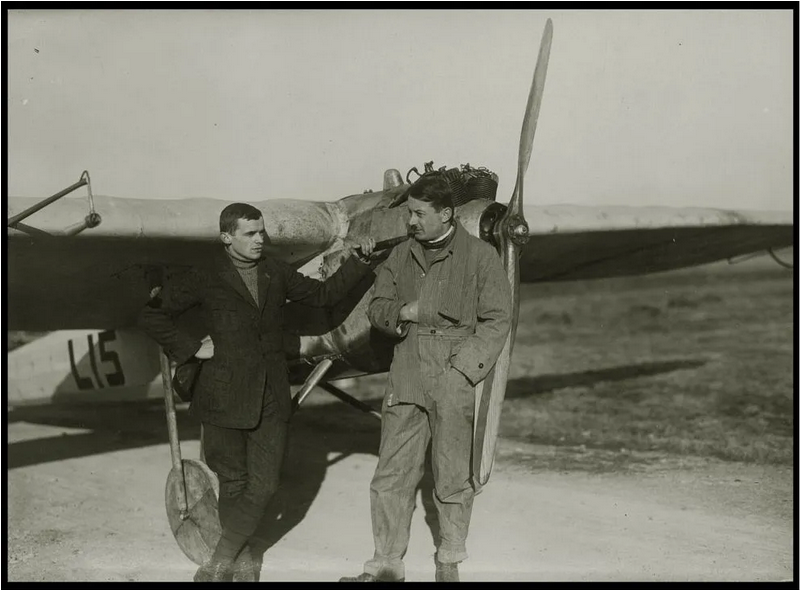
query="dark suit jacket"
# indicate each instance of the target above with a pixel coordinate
(249, 361)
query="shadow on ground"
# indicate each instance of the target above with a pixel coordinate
(321, 435)
(527, 386)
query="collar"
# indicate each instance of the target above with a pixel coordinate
(441, 241)
(455, 242)
(242, 264)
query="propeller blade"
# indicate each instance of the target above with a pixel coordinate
(491, 392)
(531, 116)
(511, 233)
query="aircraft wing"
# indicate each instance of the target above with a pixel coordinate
(102, 277)
(570, 242)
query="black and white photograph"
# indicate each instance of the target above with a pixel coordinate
(400, 295)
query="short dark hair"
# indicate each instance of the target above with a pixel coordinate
(230, 216)
(433, 189)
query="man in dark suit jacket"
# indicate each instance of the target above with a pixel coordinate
(242, 394)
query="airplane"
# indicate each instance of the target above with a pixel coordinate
(86, 282)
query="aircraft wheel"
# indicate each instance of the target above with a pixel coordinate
(199, 531)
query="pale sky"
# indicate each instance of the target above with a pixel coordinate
(641, 107)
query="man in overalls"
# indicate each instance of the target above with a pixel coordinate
(445, 298)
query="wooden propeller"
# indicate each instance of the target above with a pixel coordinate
(511, 233)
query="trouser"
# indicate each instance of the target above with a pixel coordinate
(248, 464)
(406, 431)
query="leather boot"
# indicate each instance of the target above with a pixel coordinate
(447, 572)
(244, 568)
(365, 577)
(215, 571)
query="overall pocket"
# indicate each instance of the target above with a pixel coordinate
(435, 351)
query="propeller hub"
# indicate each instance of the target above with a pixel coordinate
(518, 230)
(490, 223)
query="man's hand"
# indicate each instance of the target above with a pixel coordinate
(363, 249)
(409, 313)
(206, 350)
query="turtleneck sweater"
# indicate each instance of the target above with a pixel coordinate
(248, 270)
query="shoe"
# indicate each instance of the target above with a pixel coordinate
(244, 568)
(214, 571)
(365, 577)
(258, 560)
(447, 572)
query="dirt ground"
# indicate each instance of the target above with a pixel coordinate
(87, 504)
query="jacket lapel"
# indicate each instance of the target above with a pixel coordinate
(232, 277)
(263, 284)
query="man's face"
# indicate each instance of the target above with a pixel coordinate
(247, 240)
(426, 222)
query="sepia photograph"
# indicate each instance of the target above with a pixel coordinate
(353, 295)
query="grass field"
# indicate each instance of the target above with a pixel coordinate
(697, 363)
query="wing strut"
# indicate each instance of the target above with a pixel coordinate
(310, 382)
(778, 260)
(91, 220)
(315, 379)
(349, 399)
(770, 251)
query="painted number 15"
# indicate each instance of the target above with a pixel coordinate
(114, 379)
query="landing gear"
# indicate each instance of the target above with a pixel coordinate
(192, 490)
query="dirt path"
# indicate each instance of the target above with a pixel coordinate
(101, 516)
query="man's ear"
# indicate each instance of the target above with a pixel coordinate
(445, 216)
(225, 237)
